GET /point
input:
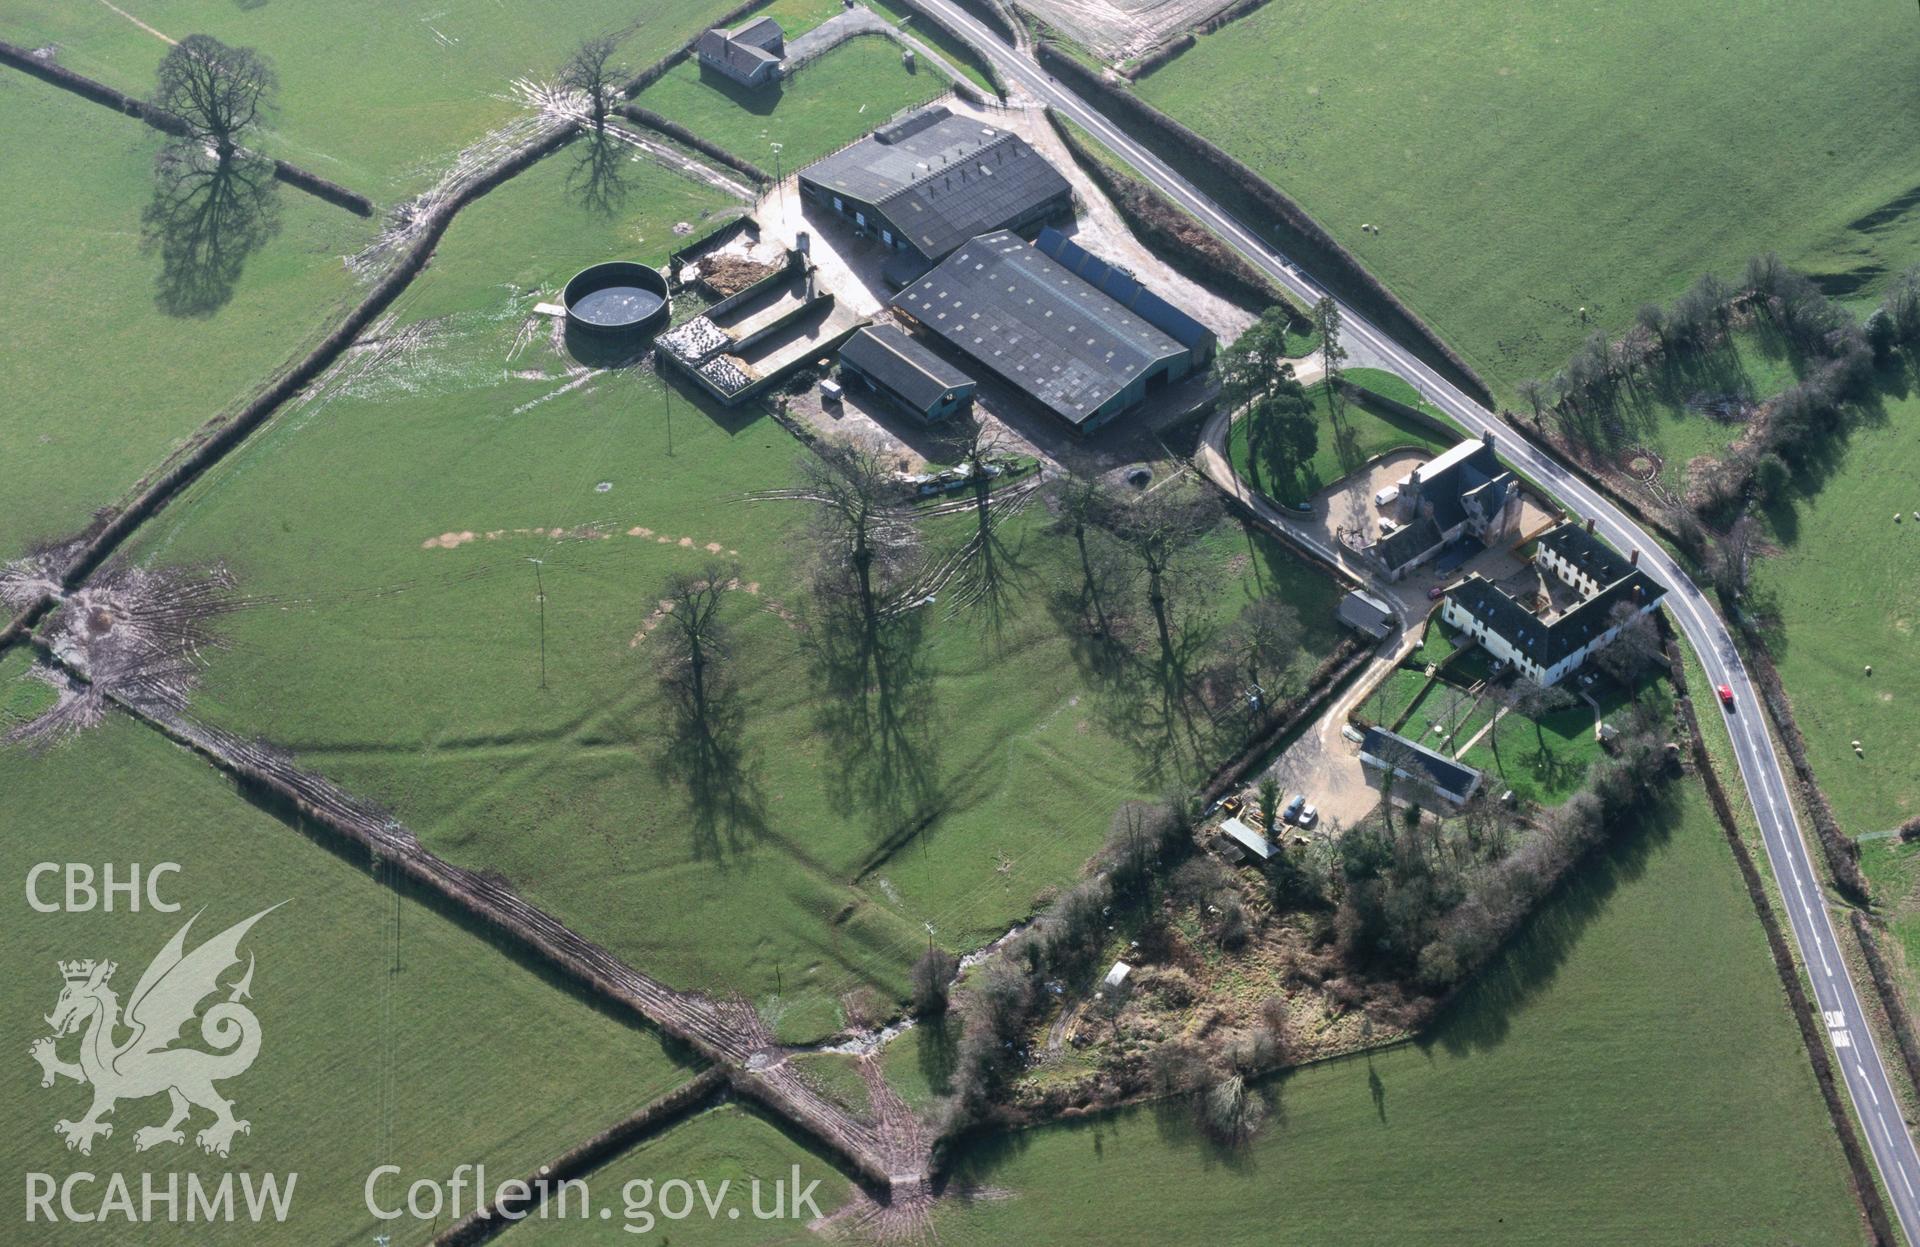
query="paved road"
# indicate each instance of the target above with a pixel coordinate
(1855, 1053)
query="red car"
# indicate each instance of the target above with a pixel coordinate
(1726, 696)
(1436, 593)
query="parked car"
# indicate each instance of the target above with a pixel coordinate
(1295, 804)
(1726, 696)
(1308, 816)
(1436, 593)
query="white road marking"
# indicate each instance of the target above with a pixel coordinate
(1760, 768)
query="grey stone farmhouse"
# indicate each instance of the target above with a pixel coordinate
(1464, 492)
(749, 55)
(1548, 648)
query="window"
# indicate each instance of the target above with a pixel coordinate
(838, 205)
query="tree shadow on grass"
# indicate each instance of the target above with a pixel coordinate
(939, 1052)
(995, 576)
(599, 177)
(1480, 1016)
(205, 219)
(706, 761)
(874, 691)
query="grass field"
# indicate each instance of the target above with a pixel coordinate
(1844, 584)
(733, 1145)
(815, 869)
(102, 381)
(1592, 1087)
(1344, 442)
(390, 1033)
(376, 96)
(827, 104)
(1525, 163)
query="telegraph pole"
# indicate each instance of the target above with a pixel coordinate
(540, 596)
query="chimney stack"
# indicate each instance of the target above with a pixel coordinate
(1589, 523)
(1633, 559)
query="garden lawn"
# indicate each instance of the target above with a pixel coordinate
(101, 382)
(733, 1150)
(386, 531)
(390, 1032)
(827, 103)
(1450, 708)
(1546, 762)
(374, 95)
(1627, 1072)
(1368, 432)
(1844, 584)
(1524, 163)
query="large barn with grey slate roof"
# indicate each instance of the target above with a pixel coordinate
(1052, 334)
(928, 182)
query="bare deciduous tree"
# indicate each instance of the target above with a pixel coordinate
(990, 567)
(218, 91)
(1634, 649)
(1266, 638)
(1535, 393)
(1730, 562)
(1157, 530)
(860, 525)
(591, 70)
(1231, 1111)
(1533, 700)
(932, 975)
(692, 639)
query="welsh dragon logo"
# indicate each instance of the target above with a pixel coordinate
(146, 1063)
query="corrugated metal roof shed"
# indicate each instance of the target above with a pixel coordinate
(1123, 289)
(1036, 325)
(1003, 182)
(897, 155)
(919, 377)
(1248, 839)
(1448, 777)
(1365, 612)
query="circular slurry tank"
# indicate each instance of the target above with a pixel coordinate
(616, 299)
